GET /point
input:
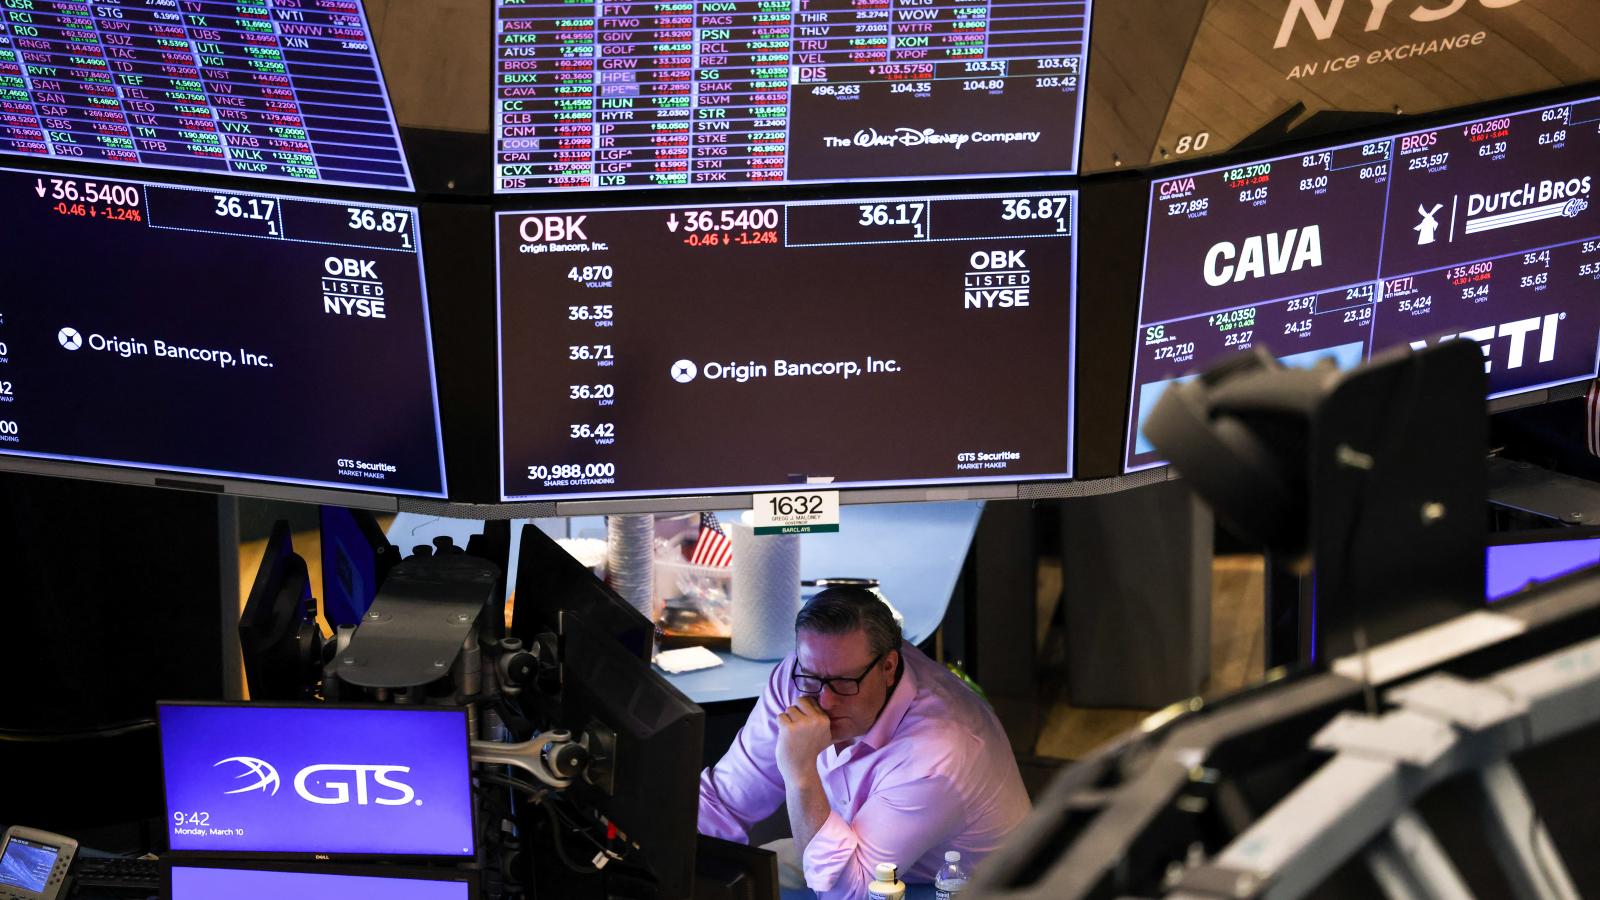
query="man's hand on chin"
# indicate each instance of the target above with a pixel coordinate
(804, 731)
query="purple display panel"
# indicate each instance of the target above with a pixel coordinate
(890, 342)
(216, 332)
(190, 883)
(1512, 567)
(335, 780)
(261, 88)
(675, 93)
(1480, 230)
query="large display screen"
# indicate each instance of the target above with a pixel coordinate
(196, 883)
(671, 93)
(670, 350)
(334, 780)
(286, 89)
(216, 333)
(1480, 230)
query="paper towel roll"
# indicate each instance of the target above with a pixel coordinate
(630, 560)
(766, 592)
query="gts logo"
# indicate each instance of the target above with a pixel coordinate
(332, 792)
(1518, 332)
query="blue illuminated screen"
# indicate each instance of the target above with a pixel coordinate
(334, 780)
(1512, 567)
(251, 884)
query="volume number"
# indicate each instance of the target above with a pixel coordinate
(8, 427)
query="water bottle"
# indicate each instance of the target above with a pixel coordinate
(952, 878)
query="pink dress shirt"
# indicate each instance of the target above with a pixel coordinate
(934, 773)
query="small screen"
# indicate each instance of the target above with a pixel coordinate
(711, 349)
(216, 333)
(1483, 230)
(193, 883)
(27, 864)
(246, 87)
(335, 780)
(737, 92)
(1512, 567)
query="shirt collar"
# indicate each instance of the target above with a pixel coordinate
(905, 690)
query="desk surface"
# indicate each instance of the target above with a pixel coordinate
(915, 550)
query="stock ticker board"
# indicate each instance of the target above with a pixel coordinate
(216, 332)
(678, 93)
(286, 89)
(1484, 230)
(802, 342)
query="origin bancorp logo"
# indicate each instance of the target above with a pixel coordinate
(330, 791)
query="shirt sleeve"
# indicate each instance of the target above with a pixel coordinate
(745, 786)
(899, 825)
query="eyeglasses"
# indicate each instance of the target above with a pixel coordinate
(841, 686)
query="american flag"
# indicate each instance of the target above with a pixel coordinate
(712, 547)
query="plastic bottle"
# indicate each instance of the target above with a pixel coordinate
(888, 886)
(952, 878)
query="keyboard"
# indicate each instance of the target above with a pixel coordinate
(117, 872)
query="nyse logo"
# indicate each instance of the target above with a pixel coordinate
(330, 791)
(1263, 255)
(1518, 332)
(998, 279)
(1323, 15)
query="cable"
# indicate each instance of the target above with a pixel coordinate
(558, 818)
(561, 849)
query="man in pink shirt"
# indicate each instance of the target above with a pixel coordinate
(881, 754)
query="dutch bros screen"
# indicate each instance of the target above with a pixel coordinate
(262, 779)
(1484, 230)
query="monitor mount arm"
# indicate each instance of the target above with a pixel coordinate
(554, 757)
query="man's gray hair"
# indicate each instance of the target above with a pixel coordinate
(841, 610)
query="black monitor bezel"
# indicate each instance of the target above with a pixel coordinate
(289, 856)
